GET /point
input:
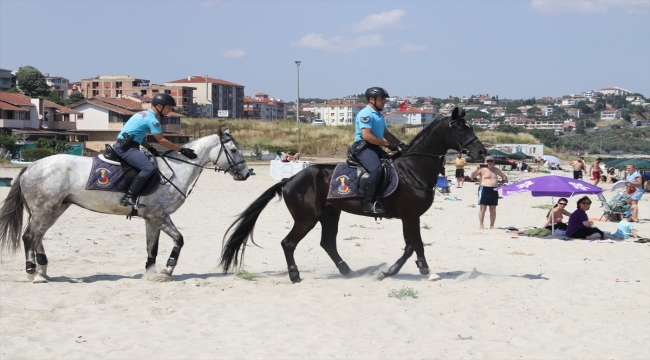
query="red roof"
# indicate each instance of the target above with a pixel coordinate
(107, 106)
(340, 103)
(123, 103)
(7, 106)
(201, 79)
(16, 99)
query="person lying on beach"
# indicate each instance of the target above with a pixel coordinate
(579, 226)
(555, 217)
(288, 157)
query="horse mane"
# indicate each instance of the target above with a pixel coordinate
(197, 140)
(425, 132)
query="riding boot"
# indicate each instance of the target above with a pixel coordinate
(131, 197)
(369, 199)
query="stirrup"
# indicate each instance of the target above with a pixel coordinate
(376, 208)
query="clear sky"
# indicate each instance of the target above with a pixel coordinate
(514, 49)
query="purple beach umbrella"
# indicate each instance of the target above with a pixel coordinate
(550, 185)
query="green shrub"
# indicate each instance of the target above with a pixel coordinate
(7, 142)
(32, 155)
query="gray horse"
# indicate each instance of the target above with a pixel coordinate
(49, 186)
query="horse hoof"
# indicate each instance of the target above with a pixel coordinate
(157, 277)
(344, 269)
(39, 279)
(294, 274)
(434, 277)
(424, 271)
(380, 276)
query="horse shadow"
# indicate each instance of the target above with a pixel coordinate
(459, 275)
(106, 277)
(475, 274)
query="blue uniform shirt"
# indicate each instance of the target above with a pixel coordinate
(370, 119)
(140, 124)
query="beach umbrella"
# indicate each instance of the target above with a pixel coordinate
(614, 162)
(550, 185)
(641, 164)
(495, 152)
(552, 159)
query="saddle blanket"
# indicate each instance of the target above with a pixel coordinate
(345, 184)
(108, 176)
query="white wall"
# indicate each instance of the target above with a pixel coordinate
(95, 118)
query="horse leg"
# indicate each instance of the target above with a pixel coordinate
(289, 243)
(330, 223)
(395, 268)
(412, 232)
(164, 223)
(35, 257)
(153, 236)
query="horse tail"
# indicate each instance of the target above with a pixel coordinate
(11, 217)
(244, 226)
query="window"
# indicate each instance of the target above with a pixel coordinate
(168, 92)
(332, 114)
(95, 92)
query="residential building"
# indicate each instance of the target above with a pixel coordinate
(481, 122)
(74, 86)
(610, 114)
(477, 107)
(569, 101)
(512, 116)
(412, 116)
(220, 97)
(614, 90)
(338, 112)
(264, 107)
(530, 149)
(104, 117)
(58, 84)
(7, 80)
(548, 110)
(427, 105)
(569, 125)
(574, 112)
(589, 94)
(111, 86)
(38, 118)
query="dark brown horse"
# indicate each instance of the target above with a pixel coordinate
(306, 197)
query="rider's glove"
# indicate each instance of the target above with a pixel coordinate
(392, 147)
(403, 146)
(153, 151)
(189, 153)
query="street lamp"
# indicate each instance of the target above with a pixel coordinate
(297, 91)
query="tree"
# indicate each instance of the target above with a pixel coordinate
(75, 97)
(54, 97)
(508, 129)
(580, 129)
(57, 146)
(7, 141)
(14, 90)
(532, 111)
(31, 82)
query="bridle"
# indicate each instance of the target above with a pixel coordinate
(231, 164)
(231, 161)
(462, 148)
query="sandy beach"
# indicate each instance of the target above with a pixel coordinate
(500, 296)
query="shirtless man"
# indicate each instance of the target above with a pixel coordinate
(579, 166)
(487, 196)
(595, 170)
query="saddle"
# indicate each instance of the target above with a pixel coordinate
(348, 179)
(111, 173)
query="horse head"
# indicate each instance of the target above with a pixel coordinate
(462, 137)
(228, 157)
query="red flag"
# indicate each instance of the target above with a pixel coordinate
(402, 106)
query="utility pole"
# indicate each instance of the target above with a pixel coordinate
(298, 91)
(207, 96)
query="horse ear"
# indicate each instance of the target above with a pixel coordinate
(454, 114)
(220, 132)
(227, 131)
(462, 114)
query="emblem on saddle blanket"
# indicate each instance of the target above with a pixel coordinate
(111, 177)
(345, 183)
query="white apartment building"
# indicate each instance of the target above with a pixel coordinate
(569, 101)
(338, 112)
(548, 110)
(221, 96)
(58, 84)
(610, 114)
(412, 116)
(614, 90)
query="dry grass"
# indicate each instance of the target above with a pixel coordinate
(308, 139)
(493, 137)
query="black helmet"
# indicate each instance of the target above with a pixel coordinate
(163, 99)
(376, 92)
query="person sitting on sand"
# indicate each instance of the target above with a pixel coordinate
(625, 228)
(555, 217)
(579, 226)
(288, 157)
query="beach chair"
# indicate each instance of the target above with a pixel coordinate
(442, 186)
(609, 212)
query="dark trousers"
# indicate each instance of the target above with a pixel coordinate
(369, 159)
(585, 231)
(133, 156)
(560, 226)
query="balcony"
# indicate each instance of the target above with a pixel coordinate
(115, 125)
(175, 128)
(64, 125)
(16, 124)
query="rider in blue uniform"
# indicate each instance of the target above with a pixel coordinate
(369, 137)
(132, 136)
